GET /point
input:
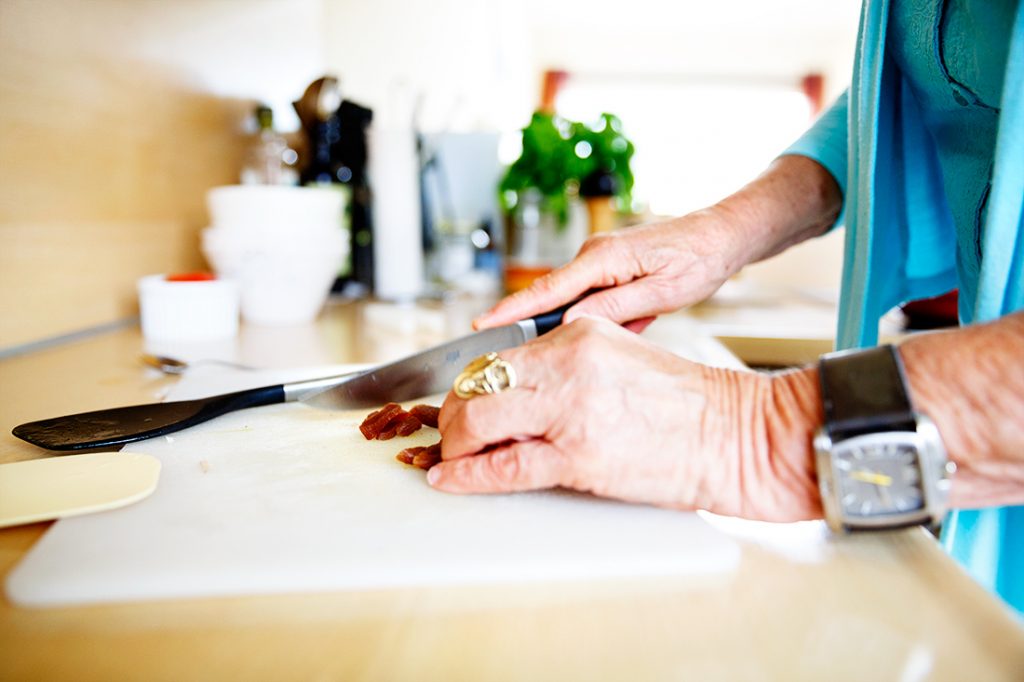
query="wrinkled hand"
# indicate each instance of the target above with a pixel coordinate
(653, 268)
(599, 409)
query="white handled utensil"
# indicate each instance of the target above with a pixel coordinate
(55, 487)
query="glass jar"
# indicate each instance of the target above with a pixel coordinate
(538, 242)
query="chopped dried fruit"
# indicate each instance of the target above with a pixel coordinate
(408, 424)
(380, 421)
(426, 414)
(391, 420)
(428, 457)
(402, 424)
(406, 456)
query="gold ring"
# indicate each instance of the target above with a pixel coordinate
(486, 374)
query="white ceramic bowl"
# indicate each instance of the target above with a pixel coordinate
(283, 246)
(280, 284)
(276, 208)
(221, 238)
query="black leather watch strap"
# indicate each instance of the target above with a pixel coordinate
(864, 392)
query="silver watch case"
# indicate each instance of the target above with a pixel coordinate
(932, 461)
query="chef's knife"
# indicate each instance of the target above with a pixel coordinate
(429, 372)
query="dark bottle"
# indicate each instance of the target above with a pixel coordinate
(351, 155)
(324, 170)
(336, 131)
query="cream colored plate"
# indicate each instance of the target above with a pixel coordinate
(69, 485)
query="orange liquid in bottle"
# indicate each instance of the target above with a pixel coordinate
(518, 277)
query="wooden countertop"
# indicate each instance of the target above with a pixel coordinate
(802, 605)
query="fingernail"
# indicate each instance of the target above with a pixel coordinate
(433, 474)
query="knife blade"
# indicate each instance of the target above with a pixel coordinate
(426, 373)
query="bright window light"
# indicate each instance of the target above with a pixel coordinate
(696, 141)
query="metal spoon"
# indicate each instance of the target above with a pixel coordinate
(175, 366)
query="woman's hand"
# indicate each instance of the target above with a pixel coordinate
(601, 410)
(646, 271)
(656, 268)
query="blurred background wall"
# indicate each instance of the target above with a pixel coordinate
(117, 115)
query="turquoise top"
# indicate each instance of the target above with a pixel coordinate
(953, 57)
(928, 148)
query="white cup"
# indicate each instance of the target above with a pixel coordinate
(188, 311)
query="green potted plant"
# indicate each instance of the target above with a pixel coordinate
(560, 155)
(561, 161)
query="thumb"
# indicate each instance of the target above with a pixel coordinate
(526, 465)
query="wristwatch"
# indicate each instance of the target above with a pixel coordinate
(880, 464)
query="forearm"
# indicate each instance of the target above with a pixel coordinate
(969, 381)
(795, 199)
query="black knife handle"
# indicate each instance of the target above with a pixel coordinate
(120, 425)
(240, 400)
(547, 321)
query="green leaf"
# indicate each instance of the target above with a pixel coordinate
(558, 154)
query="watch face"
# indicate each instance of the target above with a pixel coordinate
(878, 475)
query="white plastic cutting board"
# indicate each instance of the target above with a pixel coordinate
(289, 498)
